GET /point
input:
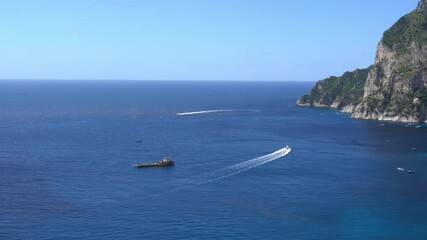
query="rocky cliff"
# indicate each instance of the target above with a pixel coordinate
(395, 87)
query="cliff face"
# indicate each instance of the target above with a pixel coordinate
(396, 84)
(422, 6)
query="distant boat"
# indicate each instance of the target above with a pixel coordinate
(138, 141)
(400, 169)
(411, 172)
(165, 162)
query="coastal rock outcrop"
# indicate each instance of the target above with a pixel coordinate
(337, 92)
(394, 87)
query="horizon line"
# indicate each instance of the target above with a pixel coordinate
(165, 80)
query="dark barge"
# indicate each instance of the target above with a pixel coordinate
(165, 162)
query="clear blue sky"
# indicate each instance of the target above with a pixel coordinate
(296, 40)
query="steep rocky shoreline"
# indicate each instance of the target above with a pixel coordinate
(394, 88)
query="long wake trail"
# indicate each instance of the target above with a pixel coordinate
(232, 170)
(215, 111)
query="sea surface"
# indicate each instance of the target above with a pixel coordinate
(67, 150)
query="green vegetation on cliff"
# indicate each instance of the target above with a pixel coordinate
(408, 29)
(342, 90)
(395, 87)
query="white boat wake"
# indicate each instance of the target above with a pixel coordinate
(233, 169)
(243, 166)
(214, 111)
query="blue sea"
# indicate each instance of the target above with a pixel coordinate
(67, 150)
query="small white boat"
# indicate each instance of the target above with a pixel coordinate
(400, 169)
